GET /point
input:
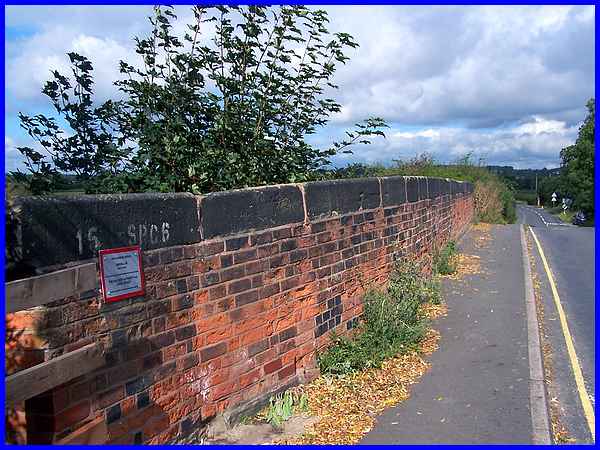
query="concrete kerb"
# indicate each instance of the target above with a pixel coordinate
(537, 389)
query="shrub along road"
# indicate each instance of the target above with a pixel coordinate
(477, 390)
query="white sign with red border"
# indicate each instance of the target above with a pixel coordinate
(121, 273)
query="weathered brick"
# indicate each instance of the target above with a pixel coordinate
(208, 353)
(185, 332)
(245, 256)
(288, 333)
(282, 233)
(233, 273)
(246, 297)
(261, 238)
(287, 371)
(239, 286)
(258, 347)
(236, 243)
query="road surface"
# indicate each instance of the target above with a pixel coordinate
(569, 251)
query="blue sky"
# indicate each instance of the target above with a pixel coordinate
(506, 83)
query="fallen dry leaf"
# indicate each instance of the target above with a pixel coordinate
(348, 404)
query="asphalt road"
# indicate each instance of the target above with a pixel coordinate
(570, 254)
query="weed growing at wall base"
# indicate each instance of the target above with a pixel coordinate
(392, 323)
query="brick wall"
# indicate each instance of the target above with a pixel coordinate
(242, 288)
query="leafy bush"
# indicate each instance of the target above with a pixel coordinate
(391, 323)
(444, 261)
(197, 112)
(283, 406)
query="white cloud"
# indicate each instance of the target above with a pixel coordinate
(507, 81)
(537, 142)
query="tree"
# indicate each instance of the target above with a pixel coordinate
(577, 168)
(204, 115)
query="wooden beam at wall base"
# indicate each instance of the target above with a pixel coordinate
(43, 377)
(42, 289)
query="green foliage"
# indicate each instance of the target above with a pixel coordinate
(283, 406)
(529, 197)
(577, 174)
(391, 323)
(444, 261)
(201, 114)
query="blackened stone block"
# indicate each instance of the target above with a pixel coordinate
(393, 191)
(423, 189)
(231, 212)
(412, 189)
(445, 187)
(325, 198)
(433, 185)
(54, 230)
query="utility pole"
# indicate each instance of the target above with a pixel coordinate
(536, 190)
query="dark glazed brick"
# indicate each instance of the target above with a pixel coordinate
(183, 302)
(213, 352)
(258, 347)
(286, 334)
(245, 298)
(341, 196)
(138, 385)
(321, 329)
(412, 189)
(288, 245)
(185, 332)
(283, 233)
(210, 278)
(189, 361)
(143, 399)
(246, 256)
(232, 273)
(261, 238)
(152, 360)
(236, 243)
(113, 414)
(226, 213)
(226, 260)
(162, 340)
(239, 286)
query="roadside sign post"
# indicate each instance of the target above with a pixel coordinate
(553, 199)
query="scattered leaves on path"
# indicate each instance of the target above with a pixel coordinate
(347, 405)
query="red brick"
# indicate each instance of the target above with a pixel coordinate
(72, 415)
(287, 371)
(273, 366)
(249, 378)
(111, 396)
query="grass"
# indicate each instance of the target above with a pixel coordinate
(282, 407)
(567, 216)
(445, 261)
(391, 323)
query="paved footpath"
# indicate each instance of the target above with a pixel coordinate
(477, 390)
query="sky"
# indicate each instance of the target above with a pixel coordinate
(507, 84)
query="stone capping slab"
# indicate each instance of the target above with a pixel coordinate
(54, 231)
(338, 197)
(233, 212)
